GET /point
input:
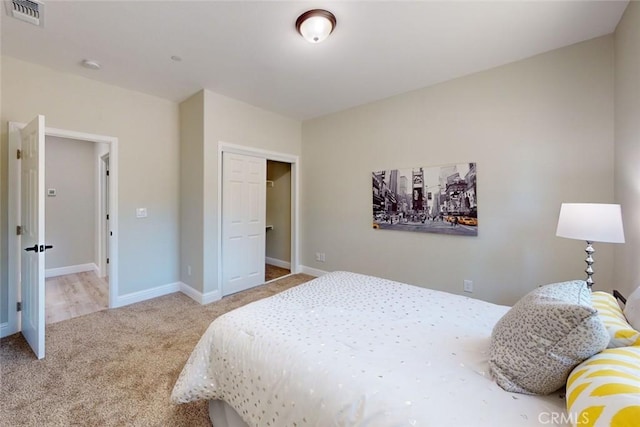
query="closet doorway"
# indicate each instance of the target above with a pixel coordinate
(242, 216)
(278, 223)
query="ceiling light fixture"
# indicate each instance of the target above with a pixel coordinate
(90, 64)
(316, 25)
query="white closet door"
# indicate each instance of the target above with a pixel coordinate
(243, 221)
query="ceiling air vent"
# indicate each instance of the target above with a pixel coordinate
(31, 11)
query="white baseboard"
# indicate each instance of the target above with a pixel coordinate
(139, 296)
(312, 271)
(198, 296)
(278, 262)
(70, 269)
(5, 330)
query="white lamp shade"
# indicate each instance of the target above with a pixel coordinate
(593, 222)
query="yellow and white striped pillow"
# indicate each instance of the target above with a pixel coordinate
(621, 332)
(604, 390)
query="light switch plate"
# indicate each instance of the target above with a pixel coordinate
(141, 212)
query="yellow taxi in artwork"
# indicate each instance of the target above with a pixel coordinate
(467, 220)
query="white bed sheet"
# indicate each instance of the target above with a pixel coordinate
(347, 349)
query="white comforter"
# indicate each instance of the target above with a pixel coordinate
(353, 350)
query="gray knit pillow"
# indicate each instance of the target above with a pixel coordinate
(544, 336)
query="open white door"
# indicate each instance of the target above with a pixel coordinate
(243, 221)
(105, 260)
(32, 234)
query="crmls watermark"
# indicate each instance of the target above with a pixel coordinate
(561, 418)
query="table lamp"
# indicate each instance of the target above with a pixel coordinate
(593, 222)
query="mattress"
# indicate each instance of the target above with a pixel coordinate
(347, 349)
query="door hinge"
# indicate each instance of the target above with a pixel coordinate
(107, 217)
(107, 260)
(19, 230)
(19, 154)
(19, 306)
(107, 173)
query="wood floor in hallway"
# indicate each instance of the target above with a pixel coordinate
(74, 295)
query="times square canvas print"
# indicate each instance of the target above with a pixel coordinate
(428, 199)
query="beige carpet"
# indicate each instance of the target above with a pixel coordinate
(272, 272)
(114, 367)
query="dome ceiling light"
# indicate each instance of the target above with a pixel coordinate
(316, 25)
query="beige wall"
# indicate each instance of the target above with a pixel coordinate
(278, 240)
(235, 122)
(541, 132)
(4, 240)
(147, 128)
(627, 154)
(191, 190)
(70, 216)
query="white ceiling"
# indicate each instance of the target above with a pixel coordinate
(250, 51)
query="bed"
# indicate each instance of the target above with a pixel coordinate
(347, 349)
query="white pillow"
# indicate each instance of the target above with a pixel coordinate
(632, 309)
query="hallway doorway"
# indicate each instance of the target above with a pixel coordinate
(74, 295)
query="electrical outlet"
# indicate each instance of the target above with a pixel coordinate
(468, 286)
(320, 257)
(188, 270)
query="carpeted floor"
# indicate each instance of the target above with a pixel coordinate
(272, 272)
(114, 367)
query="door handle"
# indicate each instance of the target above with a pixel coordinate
(41, 248)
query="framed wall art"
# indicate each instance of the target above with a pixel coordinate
(427, 199)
